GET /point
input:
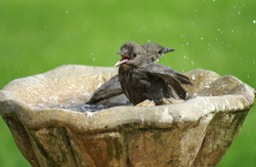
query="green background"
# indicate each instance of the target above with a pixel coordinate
(37, 36)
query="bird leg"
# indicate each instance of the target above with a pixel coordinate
(171, 101)
(146, 103)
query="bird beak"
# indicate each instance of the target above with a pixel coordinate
(124, 59)
(119, 53)
(168, 50)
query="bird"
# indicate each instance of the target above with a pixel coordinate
(142, 80)
(111, 93)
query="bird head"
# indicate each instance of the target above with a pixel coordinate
(132, 54)
(156, 51)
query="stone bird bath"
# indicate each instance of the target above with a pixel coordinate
(197, 132)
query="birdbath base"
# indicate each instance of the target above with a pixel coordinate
(197, 132)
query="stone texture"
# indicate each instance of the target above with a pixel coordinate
(196, 132)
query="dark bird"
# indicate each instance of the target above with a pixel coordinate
(111, 93)
(141, 79)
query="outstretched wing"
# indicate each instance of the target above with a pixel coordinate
(109, 89)
(170, 76)
(167, 71)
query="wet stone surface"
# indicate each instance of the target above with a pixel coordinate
(52, 125)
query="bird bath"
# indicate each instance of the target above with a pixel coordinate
(197, 132)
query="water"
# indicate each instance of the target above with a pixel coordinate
(82, 108)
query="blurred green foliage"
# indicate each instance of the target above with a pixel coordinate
(36, 36)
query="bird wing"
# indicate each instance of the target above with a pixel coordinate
(109, 89)
(167, 71)
(170, 76)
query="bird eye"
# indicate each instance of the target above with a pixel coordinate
(134, 54)
(160, 52)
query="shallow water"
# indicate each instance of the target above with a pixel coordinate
(82, 108)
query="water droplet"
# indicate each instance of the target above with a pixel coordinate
(92, 53)
(45, 26)
(148, 40)
(181, 35)
(144, 27)
(182, 70)
(220, 30)
(213, 0)
(187, 43)
(90, 114)
(129, 14)
(209, 44)
(193, 77)
(66, 11)
(232, 31)
(187, 95)
(202, 38)
(238, 12)
(216, 38)
(185, 56)
(254, 21)
(182, 45)
(234, 7)
(167, 25)
(195, 10)
(192, 22)
(94, 59)
(248, 76)
(253, 62)
(192, 62)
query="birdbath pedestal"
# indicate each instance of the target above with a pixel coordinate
(197, 132)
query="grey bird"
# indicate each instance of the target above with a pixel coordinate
(141, 79)
(111, 93)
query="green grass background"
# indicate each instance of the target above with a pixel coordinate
(37, 36)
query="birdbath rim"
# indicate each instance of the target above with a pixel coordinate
(162, 116)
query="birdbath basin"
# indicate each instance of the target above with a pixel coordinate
(197, 132)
